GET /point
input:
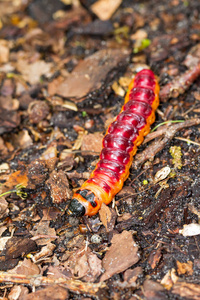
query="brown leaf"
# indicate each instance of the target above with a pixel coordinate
(3, 207)
(50, 157)
(45, 252)
(33, 72)
(7, 264)
(59, 186)
(54, 292)
(4, 51)
(104, 9)
(26, 267)
(85, 264)
(8, 120)
(185, 268)
(155, 257)
(42, 229)
(18, 177)
(17, 247)
(21, 140)
(37, 173)
(108, 217)
(18, 292)
(92, 143)
(153, 290)
(122, 254)
(91, 72)
(131, 275)
(187, 290)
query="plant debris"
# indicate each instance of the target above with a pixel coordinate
(65, 67)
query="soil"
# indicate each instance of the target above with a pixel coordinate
(65, 67)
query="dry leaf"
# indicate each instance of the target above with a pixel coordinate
(18, 292)
(91, 72)
(187, 290)
(26, 267)
(85, 264)
(184, 268)
(53, 292)
(121, 255)
(33, 72)
(42, 229)
(59, 187)
(3, 207)
(104, 9)
(108, 217)
(4, 51)
(92, 143)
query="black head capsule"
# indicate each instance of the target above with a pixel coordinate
(75, 208)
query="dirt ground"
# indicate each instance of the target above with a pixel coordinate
(65, 67)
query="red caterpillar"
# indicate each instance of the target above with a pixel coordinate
(120, 144)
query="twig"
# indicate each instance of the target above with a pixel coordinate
(71, 284)
(155, 147)
(187, 141)
(180, 83)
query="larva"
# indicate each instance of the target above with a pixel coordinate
(120, 144)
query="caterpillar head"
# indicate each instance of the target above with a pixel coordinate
(75, 208)
(84, 202)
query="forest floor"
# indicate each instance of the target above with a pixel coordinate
(65, 67)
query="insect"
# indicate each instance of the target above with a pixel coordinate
(120, 144)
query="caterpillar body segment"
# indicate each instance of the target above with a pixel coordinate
(120, 144)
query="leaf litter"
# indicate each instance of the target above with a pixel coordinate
(64, 71)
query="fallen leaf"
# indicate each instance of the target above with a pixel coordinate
(21, 140)
(3, 207)
(155, 257)
(32, 72)
(18, 292)
(45, 252)
(54, 292)
(50, 157)
(121, 255)
(187, 290)
(108, 217)
(169, 279)
(153, 290)
(18, 247)
(42, 229)
(184, 268)
(26, 267)
(92, 143)
(18, 177)
(8, 120)
(104, 9)
(190, 229)
(85, 264)
(3, 241)
(90, 73)
(131, 275)
(59, 187)
(4, 51)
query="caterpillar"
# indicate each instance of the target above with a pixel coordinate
(120, 144)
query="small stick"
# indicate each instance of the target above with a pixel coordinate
(180, 83)
(155, 147)
(71, 284)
